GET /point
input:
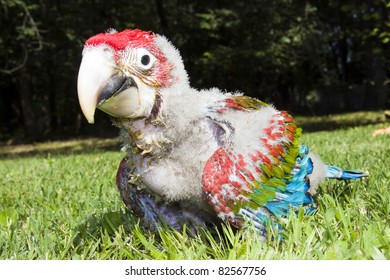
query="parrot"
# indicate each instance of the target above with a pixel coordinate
(195, 157)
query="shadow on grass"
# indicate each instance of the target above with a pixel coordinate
(105, 224)
(146, 243)
(73, 146)
(339, 121)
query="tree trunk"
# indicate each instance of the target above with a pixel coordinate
(376, 91)
(29, 120)
(161, 14)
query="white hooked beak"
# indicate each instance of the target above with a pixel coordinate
(102, 85)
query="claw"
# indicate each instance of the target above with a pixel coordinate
(147, 151)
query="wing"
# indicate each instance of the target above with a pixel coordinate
(260, 170)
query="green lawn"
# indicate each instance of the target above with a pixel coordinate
(62, 203)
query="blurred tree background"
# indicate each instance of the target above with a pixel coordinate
(309, 57)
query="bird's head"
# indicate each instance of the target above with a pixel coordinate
(122, 73)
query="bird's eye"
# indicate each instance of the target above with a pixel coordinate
(145, 60)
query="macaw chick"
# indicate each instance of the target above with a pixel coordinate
(194, 156)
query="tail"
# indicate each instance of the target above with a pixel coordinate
(338, 173)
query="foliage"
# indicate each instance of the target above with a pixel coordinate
(66, 206)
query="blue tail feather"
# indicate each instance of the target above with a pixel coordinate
(295, 194)
(338, 173)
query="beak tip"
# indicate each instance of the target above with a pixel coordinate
(90, 119)
(88, 110)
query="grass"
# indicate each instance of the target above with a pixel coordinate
(61, 203)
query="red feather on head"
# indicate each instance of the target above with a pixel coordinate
(120, 40)
(134, 38)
